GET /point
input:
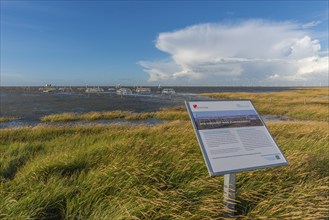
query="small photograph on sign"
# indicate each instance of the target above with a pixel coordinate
(226, 119)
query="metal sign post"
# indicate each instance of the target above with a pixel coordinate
(233, 138)
(229, 195)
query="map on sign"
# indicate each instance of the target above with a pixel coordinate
(233, 137)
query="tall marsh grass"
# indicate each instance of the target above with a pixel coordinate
(302, 104)
(157, 172)
(164, 114)
(89, 116)
(6, 119)
(143, 172)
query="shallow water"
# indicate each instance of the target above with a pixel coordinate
(29, 104)
(149, 121)
(22, 123)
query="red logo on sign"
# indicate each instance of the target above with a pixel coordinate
(195, 105)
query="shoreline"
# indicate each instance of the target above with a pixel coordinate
(31, 109)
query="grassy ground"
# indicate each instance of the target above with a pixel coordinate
(303, 104)
(177, 113)
(154, 172)
(6, 119)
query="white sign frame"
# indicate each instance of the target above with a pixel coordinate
(232, 123)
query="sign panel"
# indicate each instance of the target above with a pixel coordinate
(233, 137)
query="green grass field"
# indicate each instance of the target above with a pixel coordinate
(157, 172)
(177, 113)
(302, 104)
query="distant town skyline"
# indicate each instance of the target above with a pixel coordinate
(174, 43)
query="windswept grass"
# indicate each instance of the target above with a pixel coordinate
(90, 116)
(67, 116)
(7, 119)
(143, 172)
(164, 114)
(304, 104)
(176, 113)
(157, 172)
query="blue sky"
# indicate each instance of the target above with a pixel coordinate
(205, 43)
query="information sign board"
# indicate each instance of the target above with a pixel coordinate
(233, 137)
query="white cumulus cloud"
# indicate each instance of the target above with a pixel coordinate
(250, 50)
